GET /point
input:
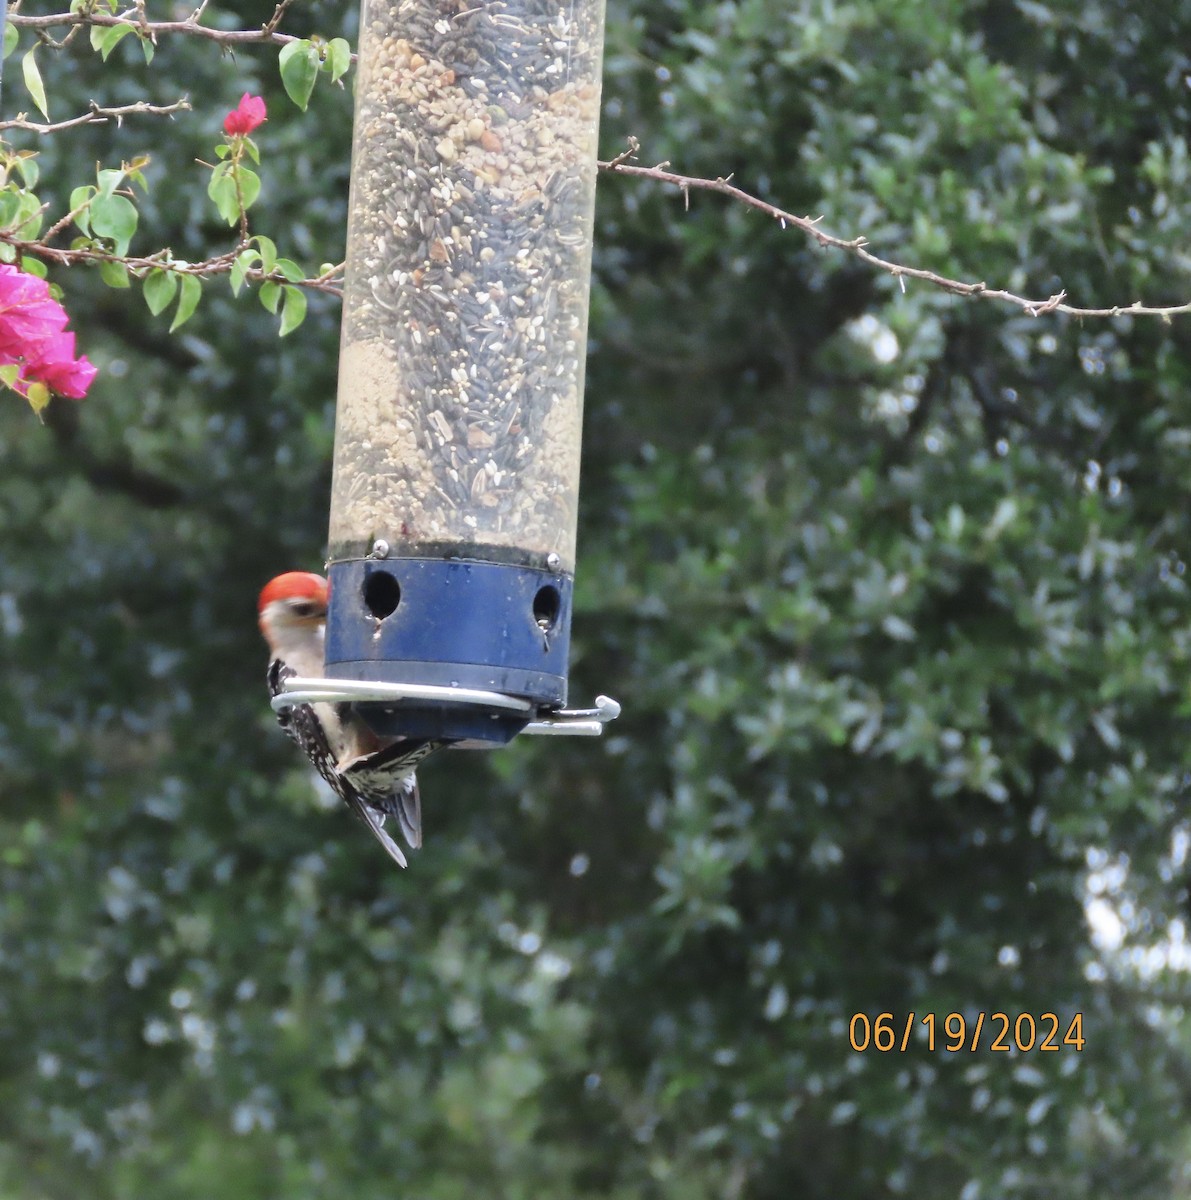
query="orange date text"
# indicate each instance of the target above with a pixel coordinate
(955, 1032)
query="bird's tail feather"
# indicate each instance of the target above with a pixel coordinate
(375, 822)
(409, 811)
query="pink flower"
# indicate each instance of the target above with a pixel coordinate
(32, 336)
(28, 313)
(245, 117)
(53, 363)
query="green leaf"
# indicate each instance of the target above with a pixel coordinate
(9, 373)
(79, 199)
(293, 311)
(10, 204)
(112, 37)
(114, 274)
(253, 149)
(29, 215)
(109, 181)
(299, 62)
(222, 189)
(33, 82)
(11, 37)
(38, 397)
(114, 217)
(250, 187)
(290, 269)
(339, 58)
(33, 266)
(20, 212)
(147, 48)
(270, 295)
(29, 169)
(160, 288)
(240, 267)
(268, 253)
(192, 289)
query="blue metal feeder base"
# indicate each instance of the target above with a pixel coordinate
(492, 627)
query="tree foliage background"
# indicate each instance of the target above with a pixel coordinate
(892, 587)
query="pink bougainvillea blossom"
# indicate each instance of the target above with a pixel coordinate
(244, 118)
(55, 365)
(28, 313)
(33, 339)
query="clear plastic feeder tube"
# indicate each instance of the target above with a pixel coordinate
(468, 268)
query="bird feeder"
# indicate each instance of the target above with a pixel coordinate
(456, 471)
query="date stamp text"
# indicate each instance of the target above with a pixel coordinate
(955, 1032)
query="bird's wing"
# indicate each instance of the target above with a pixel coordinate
(386, 782)
(278, 674)
(304, 728)
(300, 722)
(389, 762)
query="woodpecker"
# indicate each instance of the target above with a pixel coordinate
(374, 777)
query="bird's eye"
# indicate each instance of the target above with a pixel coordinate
(303, 608)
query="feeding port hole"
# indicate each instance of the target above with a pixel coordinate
(382, 594)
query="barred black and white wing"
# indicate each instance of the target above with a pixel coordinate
(302, 724)
(385, 780)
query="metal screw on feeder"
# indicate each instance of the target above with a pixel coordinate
(455, 491)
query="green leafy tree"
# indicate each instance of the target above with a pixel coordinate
(890, 581)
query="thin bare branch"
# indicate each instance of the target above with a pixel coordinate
(275, 20)
(329, 282)
(858, 247)
(191, 26)
(99, 115)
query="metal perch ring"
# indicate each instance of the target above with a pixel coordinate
(574, 722)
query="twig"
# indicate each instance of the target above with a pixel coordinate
(99, 115)
(857, 247)
(329, 282)
(150, 28)
(154, 29)
(272, 23)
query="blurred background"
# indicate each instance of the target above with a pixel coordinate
(891, 585)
